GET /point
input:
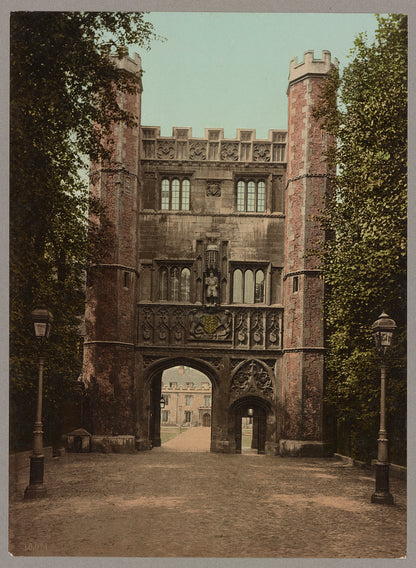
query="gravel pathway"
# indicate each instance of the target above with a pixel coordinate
(166, 503)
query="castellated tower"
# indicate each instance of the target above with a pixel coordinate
(207, 267)
(306, 186)
(109, 360)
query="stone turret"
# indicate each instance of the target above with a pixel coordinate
(306, 187)
(109, 356)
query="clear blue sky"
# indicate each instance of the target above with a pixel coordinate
(230, 70)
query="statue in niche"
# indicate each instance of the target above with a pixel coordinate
(211, 285)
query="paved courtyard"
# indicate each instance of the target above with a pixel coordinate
(171, 503)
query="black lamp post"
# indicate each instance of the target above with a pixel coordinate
(383, 330)
(42, 321)
(162, 401)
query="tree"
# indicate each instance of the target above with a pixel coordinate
(364, 258)
(63, 103)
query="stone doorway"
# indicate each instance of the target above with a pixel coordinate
(256, 411)
(206, 420)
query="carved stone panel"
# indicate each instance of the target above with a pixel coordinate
(261, 152)
(213, 188)
(178, 326)
(147, 326)
(229, 151)
(241, 329)
(252, 378)
(166, 149)
(274, 330)
(162, 326)
(198, 151)
(257, 330)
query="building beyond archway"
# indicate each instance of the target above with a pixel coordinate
(210, 268)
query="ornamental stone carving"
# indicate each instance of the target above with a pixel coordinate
(198, 151)
(213, 188)
(241, 329)
(254, 328)
(274, 330)
(252, 378)
(257, 329)
(147, 325)
(229, 152)
(205, 325)
(165, 149)
(261, 153)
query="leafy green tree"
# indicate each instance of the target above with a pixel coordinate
(63, 100)
(364, 258)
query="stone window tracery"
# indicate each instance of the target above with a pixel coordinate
(174, 284)
(251, 196)
(175, 194)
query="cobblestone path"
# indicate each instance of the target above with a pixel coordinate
(165, 503)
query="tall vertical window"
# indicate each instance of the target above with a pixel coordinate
(175, 194)
(185, 285)
(251, 196)
(248, 286)
(174, 284)
(238, 286)
(186, 191)
(165, 194)
(241, 196)
(259, 287)
(163, 284)
(295, 284)
(261, 196)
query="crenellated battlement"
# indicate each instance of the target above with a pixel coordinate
(131, 64)
(213, 147)
(311, 66)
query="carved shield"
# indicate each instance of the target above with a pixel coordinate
(210, 323)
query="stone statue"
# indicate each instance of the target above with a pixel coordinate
(211, 284)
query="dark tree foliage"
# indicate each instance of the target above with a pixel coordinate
(63, 100)
(364, 261)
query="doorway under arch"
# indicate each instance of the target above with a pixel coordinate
(181, 400)
(255, 410)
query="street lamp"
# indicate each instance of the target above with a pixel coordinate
(383, 330)
(162, 401)
(42, 321)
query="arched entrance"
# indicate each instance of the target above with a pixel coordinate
(185, 406)
(256, 410)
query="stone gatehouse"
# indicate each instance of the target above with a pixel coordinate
(209, 268)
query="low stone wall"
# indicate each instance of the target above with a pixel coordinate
(397, 471)
(303, 449)
(113, 444)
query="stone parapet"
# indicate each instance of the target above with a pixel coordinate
(303, 448)
(181, 146)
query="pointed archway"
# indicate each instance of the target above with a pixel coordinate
(256, 408)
